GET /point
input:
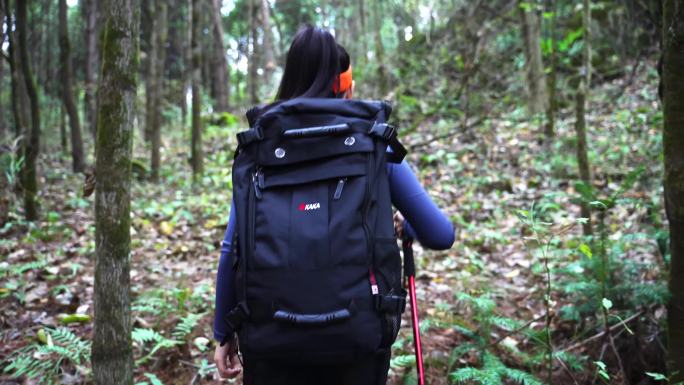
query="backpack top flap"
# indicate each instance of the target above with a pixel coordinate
(306, 129)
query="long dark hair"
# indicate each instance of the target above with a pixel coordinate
(313, 63)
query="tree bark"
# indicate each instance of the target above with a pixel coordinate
(254, 57)
(160, 36)
(196, 139)
(673, 142)
(537, 98)
(16, 80)
(32, 141)
(112, 357)
(383, 84)
(580, 120)
(221, 70)
(63, 131)
(267, 48)
(150, 40)
(90, 13)
(78, 163)
(552, 105)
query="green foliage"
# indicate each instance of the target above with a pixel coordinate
(185, 326)
(45, 361)
(493, 372)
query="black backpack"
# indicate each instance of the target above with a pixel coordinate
(318, 269)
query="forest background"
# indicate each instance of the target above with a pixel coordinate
(536, 125)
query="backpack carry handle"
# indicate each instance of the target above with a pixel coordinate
(312, 319)
(316, 131)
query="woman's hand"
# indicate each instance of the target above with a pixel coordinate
(226, 360)
(399, 225)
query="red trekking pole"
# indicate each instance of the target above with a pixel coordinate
(410, 274)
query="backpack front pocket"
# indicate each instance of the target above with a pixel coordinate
(310, 219)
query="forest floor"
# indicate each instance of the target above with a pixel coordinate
(483, 303)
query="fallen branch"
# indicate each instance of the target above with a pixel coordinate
(517, 330)
(448, 134)
(603, 333)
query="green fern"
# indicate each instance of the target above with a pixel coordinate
(521, 377)
(185, 326)
(43, 363)
(403, 361)
(19, 269)
(145, 336)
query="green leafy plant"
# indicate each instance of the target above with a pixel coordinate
(47, 358)
(493, 370)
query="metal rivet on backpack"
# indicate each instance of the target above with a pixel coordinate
(349, 141)
(279, 152)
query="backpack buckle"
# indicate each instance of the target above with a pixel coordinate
(252, 135)
(393, 304)
(237, 316)
(383, 130)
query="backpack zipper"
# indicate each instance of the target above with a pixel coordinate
(258, 182)
(339, 188)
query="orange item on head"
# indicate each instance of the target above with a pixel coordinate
(343, 82)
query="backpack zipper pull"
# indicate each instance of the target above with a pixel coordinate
(255, 181)
(338, 189)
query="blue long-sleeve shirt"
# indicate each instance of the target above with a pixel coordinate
(424, 221)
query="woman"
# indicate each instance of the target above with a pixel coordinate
(317, 67)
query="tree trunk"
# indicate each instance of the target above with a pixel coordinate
(16, 81)
(269, 63)
(187, 62)
(552, 105)
(673, 142)
(221, 73)
(151, 57)
(196, 154)
(383, 86)
(63, 131)
(580, 121)
(537, 99)
(254, 57)
(32, 141)
(90, 12)
(112, 357)
(78, 163)
(158, 60)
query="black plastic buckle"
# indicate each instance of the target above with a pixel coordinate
(383, 130)
(246, 137)
(237, 316)
(393, 304)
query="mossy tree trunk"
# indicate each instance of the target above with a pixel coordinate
(158, 58)
(196, 137)
(221, 74)
(77, 161)
(32, 140)
(673, 143)
(90, 12)
(112, 357)
(580, 114)
(537, 98)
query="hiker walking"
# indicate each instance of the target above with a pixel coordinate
(309, 285)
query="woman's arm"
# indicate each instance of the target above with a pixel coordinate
(423, 218)
(225, 296)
